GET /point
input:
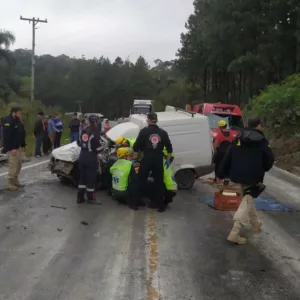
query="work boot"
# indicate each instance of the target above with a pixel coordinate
(80, 198)
(18, 184)
(234, 235)
(11, 186)
(257, 226)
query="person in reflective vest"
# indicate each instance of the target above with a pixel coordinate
(221, 143)
(165, 152)
(125, 142)
(170, 184)
(123, 177)
(89, 143)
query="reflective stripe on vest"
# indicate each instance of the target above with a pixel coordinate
(120, 171)
(131, 142)
(169, 178)
(165, 152)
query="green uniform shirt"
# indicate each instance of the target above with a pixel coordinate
(120, 171)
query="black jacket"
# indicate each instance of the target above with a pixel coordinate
(248, 158)
(22, 134)
(11, 133)
(74, 125)
(152, 140)
(39, 129)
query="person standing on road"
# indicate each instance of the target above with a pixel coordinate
(51, 130)
(221, 143)
(46, 139)
(11, 143)
(23, 144)
(74, 128)
(39, 131)
(246, 161)
(88, 161)
(151, 141)
(59, 129)
(106, 126)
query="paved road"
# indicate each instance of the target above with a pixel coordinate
(46, 253)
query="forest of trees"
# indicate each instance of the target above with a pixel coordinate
(231, 51)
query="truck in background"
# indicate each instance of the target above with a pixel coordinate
(215, 112)
(142, 107)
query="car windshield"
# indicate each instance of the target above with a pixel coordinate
(233, 122)
(141, 109)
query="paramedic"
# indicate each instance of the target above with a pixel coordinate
(88, 161)
(124, 178)
(151, 141)
(221, 143)
(246, 161)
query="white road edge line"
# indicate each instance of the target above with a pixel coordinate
(27, 167)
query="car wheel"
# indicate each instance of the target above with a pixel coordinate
(185, 179)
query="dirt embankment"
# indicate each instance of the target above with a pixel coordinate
(287, 151)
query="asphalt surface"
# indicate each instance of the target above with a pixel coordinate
(46, 252)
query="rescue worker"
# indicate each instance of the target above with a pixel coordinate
(221, 143)
(170, 184)
(11, 144)
(88, 161)
(151, 141)
(124, 177)
(246, 161)
(125, 142)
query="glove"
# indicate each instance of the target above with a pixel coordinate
(167, 164)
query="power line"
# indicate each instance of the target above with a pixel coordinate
(34, 21)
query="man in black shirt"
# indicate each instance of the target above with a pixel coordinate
(246, 161)
(151, 141)
(11, 144)
(74, 128)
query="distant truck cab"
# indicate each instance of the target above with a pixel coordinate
(143, 107)
(216, 112)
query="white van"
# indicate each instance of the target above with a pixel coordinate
(190, 137)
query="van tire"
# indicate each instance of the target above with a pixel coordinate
(185, 179)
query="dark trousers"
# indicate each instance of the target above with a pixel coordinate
(153, 164)
(121, 196)
(218, 158)
(74, 136)
(88, 178)
(57, 139)
(46, 145)
(38, 144)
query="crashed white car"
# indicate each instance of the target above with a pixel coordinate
(189, 134)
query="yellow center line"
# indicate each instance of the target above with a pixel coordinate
(152, 257)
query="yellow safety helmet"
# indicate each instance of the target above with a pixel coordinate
(222, 123)
(121, 141)
(123, 151)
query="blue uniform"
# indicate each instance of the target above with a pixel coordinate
(88, 163)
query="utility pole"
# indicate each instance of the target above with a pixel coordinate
(79, 105)
(34, 22)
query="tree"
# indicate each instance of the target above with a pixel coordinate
(6, 40)
(232, 49)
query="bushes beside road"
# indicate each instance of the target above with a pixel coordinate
(279, 106)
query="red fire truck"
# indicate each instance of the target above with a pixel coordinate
(215, 112)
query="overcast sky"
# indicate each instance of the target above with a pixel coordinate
(100, 27)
